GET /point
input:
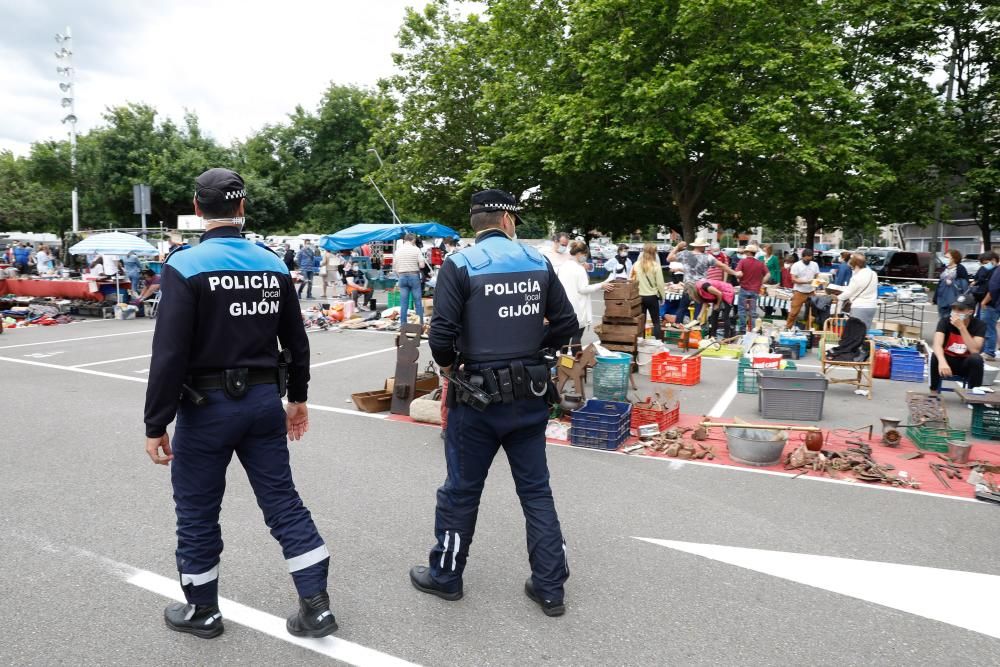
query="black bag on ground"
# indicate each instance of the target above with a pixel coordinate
(852, 343)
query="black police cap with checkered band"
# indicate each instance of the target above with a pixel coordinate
(495, 200)
(218, 185)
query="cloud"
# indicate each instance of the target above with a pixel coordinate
(238, 65)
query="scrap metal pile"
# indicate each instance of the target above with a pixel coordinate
(856, 461)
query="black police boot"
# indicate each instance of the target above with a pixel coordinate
(549, 607)
(314, 618)
(203, 621)
(420, 577)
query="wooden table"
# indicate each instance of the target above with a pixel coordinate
(977, 399)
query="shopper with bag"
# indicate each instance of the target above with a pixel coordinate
(573, 277)
(860, 299)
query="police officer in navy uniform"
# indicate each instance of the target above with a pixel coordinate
(216, 365)
(491, 304)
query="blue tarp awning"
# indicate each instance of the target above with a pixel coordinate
(358, 235)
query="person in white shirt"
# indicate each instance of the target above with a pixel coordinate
(803, 273)
(330, 273)
(573, 277)
(558, 252)
(620, 266)
(862, 290)
(408, 262)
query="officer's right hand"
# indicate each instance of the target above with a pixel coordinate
(296, 420)
(153, 447)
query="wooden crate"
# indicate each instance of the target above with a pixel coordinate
(623, 307)
(622, 289)
(622, 328)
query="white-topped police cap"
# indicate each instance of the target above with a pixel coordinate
(218, 185)
(495, 200)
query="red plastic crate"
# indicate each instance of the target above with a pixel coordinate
(664, 419)
(674, 369)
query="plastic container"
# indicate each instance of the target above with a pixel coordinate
(986, 421)
(766, 361)
(755, 447)
(600, 424)
(791, 394)
(642, 414)
(990, 374)
(795, 339)
(907, 365)
(933, 439)
(646, 349)
(746, 375)
(674, 369)
(883, 364)
(611, 376)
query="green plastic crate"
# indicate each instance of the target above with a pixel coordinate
(986, 421)
(933, 439)
(746, 377)
(392, 298)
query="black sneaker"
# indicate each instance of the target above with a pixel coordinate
(549, 607)
(203, 621)
(314, 618)
(420, 577)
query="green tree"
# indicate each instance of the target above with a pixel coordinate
(25, 204)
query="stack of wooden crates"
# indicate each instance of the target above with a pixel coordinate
(624, 322)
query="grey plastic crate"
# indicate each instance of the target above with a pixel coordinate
(796, 395)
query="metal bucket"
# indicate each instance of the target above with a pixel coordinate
(755, 447)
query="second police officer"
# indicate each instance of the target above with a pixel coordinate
(225, 305)
(491, 304)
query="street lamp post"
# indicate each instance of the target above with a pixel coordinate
(65, 55)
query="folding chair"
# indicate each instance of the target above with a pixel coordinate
(152, 306)
(864, 371)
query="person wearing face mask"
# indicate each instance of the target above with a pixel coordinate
(619, 267)
(958, 342)
(953, 283)
(573, 276)
(981, 293)
(862, 290)
(559, 252)
(648, 275)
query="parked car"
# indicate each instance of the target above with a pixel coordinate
(902, 263)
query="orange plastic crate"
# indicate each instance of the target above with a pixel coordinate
(674, 369)
(664, 419)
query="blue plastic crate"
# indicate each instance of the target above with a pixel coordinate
(600, 424)
(907, 363)
(801, 341)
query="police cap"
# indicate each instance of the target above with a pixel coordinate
(219, 185)
(495, 200)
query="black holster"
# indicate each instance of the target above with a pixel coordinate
(284, 360)
(235, 382)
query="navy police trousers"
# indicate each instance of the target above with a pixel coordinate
(471, 441)
(205, 439)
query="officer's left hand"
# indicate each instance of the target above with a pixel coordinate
(153, 447)
(296, 420)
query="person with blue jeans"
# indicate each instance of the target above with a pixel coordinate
(132, 268)
(989, 312)
(307, 267)
(954, 282)
(408, 261)
(751, 272)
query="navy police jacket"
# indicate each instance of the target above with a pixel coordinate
(491, 302)
(224, 303)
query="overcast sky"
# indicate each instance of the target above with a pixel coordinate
(238, 65)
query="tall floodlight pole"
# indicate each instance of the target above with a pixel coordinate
(65, 56)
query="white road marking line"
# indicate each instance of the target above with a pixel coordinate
(141, 371)
(70, 340)
(345, 411)
(332, 647)
(722, 404)
(112, 361)
(679, 464)
(42, 355)
(87, 371)
(356, 356)
(955, 597)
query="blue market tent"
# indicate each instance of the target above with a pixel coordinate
(358, 235)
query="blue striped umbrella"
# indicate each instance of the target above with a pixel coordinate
(113, 243)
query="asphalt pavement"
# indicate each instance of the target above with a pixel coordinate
(85, 511)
